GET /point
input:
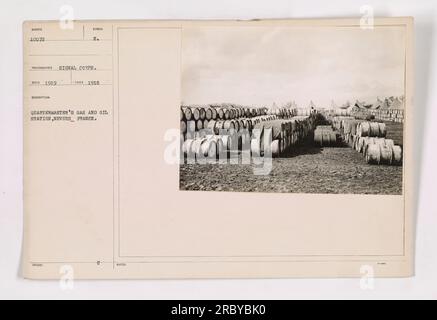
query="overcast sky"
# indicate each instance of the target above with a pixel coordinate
(262, 65)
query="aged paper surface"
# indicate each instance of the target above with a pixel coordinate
(105, 197)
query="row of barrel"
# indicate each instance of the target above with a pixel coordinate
(219, 113)
(395, 115)
(370, 139)
(349, 127)
(192, 128)
(268, 136)
(378, 150)
(283, 134)
(208, 147)
(325, 136)
(194, 118)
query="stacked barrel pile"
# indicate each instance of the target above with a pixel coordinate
(369, 138)
(283, 134)
(325, 136)
(394, 115)
(196, 118)
(346, 126)
(225, 129)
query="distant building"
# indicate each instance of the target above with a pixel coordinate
(377, 104)
(352, 108)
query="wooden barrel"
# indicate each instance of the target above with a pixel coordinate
(382, 130)
(379, 141)
(373, 129)
(221, 113)
(285, 128)
(199, 124)
(363, 129)
(208, 148)
(354, 141)
(196, 113)
(186, 146)
(288, 126)
(228, 124)
(218, 126)
(202, 113)
(191, 126)
(293, 125)
(232, 114)
(266, 139)
(211, 125)
(346, 126)
(205, 124)
(183, 127)
(213, 113)
(236, 125)
(386, 154)
(333, 138)
(275, 148)
(350, 139)
(187, 113)
(326, 138)
(397, 155)
(373, 154)
(351, 127)
(318, 138)
(208, 113)
(236, 112)
(367, 141)
(360, 144)
(243, 124)
(250, 125)
(226, 114)
(389, 142)
(219, 144)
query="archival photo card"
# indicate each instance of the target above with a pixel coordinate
(218, 149)
(293, 109)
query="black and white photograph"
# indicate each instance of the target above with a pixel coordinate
(225, 157)
(293, 109)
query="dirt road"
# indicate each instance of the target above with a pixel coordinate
(308, 170)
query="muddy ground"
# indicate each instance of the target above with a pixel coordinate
(307, 170)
